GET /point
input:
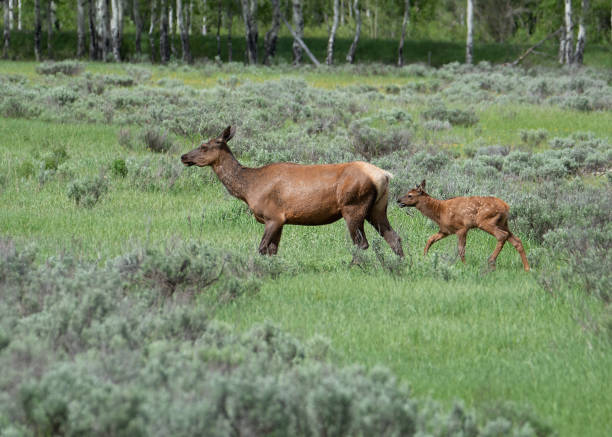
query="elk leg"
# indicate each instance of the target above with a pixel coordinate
(275, 241)
(383, 227)
(354, 221)
(500, 234)
(518, 245)
(433, 239)
(461, 238)
(271, 238)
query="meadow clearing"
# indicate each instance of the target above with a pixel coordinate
(133, 300)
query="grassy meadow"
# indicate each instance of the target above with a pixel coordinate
(90, 171)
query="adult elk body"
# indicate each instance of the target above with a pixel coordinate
(460, 214)
(286, 193)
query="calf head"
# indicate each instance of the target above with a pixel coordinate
(207, 153)
(412, 197)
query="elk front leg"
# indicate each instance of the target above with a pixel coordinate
(271, 238)
(433, 239)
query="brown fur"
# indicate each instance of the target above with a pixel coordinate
(460, 214)
(286, 193)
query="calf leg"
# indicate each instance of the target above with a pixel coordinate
(461, 239)
(518, 245)
(433, 239)
(500, 233)
(271, 238)
(380, 222)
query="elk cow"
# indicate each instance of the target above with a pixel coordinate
(460, 214)
(286, 193)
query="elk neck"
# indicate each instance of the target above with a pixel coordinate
(232, 174)
(430, 207)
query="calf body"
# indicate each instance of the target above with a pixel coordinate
(286, 193)
(460, 214)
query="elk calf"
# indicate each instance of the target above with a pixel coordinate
(460, 214)
(285, 193)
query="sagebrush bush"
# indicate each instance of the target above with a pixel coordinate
(68, 67)
(87, 191)
(87, 349)
(157, 140)
(459, 117)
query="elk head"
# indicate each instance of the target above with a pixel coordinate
(412, 197)
(207, 153)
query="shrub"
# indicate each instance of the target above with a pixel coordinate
(533, 137)
(53, 159)
(67, 67)
(458, 117)
(25, 169)
(87, 191)
(436, 125)
(62, 95)
(157, 140)
(119, 168)
(95, 350)
(124, 138)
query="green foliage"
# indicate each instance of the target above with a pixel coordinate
(87, 191)
(119, 168)
(67, 67)
(459, 117)
(101, 351)
(156, 140)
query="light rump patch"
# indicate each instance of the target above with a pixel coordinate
(287, 193)
(380, 178)
(460, 214)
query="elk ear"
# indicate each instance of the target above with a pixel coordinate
(228, 133)
(423, 185)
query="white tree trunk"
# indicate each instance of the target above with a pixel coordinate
(249, 14)
(170, 19)
(19, 17)
(37, 30)
(152, 30)
(469, 46)
(80, 27)
(405, 21)
(204, 28)
(298, 24)
(272, 34)
(581, 41)
(567, 55)
(350, 57)
(117, 28)
(181, 13)
(103, 28)
(138, 25)
(332, 35)
(10, 4)
(7, 29)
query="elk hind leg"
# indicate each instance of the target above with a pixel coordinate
(354, 217)
(501, 234)
(518, 245)
(378, 219)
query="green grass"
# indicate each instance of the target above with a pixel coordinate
(476, 335)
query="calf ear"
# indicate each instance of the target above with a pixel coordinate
(423, 185)
(228, 133)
